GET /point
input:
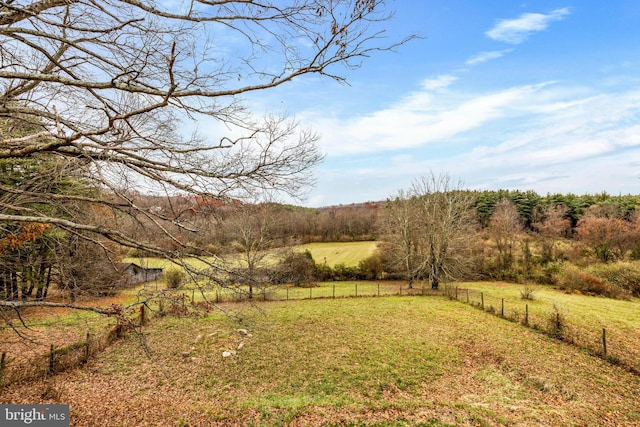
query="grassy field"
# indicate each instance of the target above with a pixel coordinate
(347, 253)
(368, 361)
(331, 253)
(583, 317)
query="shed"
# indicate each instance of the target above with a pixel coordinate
(137, 274)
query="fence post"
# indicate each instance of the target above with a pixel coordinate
(334, 291)
(526, 314)
(467, 296)
(287, 294)
(401, 290)
(2, 365)
(51, 356)
(356, 289)
(143, 315)
(378, 289)
(604, 342)
(502, 308)
(482, 300)
(456, 293)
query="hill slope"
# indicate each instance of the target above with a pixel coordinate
(393, 360)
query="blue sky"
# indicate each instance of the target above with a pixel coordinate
(500, 94)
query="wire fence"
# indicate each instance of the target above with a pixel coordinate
(613, 344)
(16, 367)
(326, 290)
(610, 344)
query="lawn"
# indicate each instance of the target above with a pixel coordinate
(347, 253)
(358, 361)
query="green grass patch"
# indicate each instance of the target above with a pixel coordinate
(346, 253)
(357, 361)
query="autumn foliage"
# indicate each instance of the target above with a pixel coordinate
(27, 232)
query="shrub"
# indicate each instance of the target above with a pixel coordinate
(324, 273)
(623, 275)
(586, 281)
(556, 322)
(371, 268)
(174, 278)
(343, 272)
(296, 267)
(526, 293)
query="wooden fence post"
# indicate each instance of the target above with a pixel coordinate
(526, 314)
(467, 296)
(604, 342)
(502, 308)
(482, 300)
(456, 293)
(334, 291)
(356, 289)
(400, 290)
(378, 289)
(2, 365)
(287, 294)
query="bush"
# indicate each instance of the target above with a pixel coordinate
(623, 275)
(556, 323)
(586, 281)
(371, 268)
(526, 293)
(343, 272)
(174, 278)
(324, 273)
(296, 267)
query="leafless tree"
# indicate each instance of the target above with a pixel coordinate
(108, 83)
(398, 223)
(109, 89)
(250, 225)
(555, 225)
(504, 228)
(431, 227)
(446, 223)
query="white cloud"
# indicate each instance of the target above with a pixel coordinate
(418, 119)
(441, 82)
(486, 56)
(515, 31)
(547, 137)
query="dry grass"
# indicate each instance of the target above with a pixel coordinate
(346, 253)
(368, 361)
(585, 316)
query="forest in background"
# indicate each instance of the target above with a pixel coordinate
(584, 242)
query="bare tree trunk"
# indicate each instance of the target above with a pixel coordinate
(13, 278)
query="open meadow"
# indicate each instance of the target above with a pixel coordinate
(407, 360)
